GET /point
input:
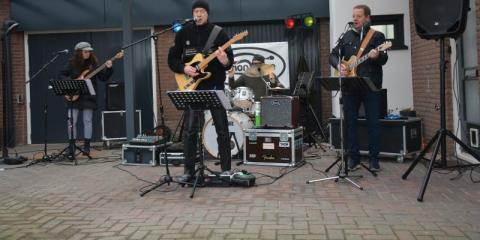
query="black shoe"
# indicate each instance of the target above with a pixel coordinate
(185, 178)
(86, 147)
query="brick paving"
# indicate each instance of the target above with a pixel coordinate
(96, 200)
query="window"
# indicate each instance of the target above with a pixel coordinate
(392, 27)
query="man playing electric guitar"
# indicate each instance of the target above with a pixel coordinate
(353, 40)
(193, 39)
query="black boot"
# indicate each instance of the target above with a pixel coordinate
(71, 149)
(86, 147)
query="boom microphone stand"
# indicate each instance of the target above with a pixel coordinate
(45, 157)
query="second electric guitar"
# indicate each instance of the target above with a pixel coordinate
(353, 62)
(186, 82)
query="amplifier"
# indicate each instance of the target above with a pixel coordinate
(274, 147)
(115, 96)
(397, 137)
(280, 111)
(140, 155)
(113, 125)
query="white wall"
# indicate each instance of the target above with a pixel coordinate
(397, 73)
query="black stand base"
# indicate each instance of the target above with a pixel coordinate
(166, 180)
(438, 138)
(361, 164)
(73, 156)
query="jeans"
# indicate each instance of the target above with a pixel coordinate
(87, 122)
(194, 119)
(371, 101)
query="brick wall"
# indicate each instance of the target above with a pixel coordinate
(325, 67)
(4, 15)
(18, 76)
(426, 82)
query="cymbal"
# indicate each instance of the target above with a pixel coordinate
(266, 69)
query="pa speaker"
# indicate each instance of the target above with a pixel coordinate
(436, 19)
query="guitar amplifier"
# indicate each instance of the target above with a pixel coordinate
(273, 147)
(473, 141)
(280, 111)
(113, 125)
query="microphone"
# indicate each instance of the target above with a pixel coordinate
(194, 19)
(350, 23)
(64, 51)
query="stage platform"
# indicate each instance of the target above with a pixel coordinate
(98, 199)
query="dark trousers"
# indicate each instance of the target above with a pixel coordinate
(371, 101)
(190, 138)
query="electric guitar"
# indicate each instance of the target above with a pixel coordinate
(186, 82)
(88, 74)
(353, 62)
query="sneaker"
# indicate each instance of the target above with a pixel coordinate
(353, 165)
(374, 167)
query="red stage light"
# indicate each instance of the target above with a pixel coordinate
(289, 23)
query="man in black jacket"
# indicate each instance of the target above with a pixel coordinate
(188, 42)
(371, 68)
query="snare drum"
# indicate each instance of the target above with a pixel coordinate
(237, 122)
(243, 98)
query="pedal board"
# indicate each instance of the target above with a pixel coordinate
(238, 179)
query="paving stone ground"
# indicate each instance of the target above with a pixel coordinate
(97, 200)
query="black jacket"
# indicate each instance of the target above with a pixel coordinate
(85, 101)
(190, 41)
(370, 68)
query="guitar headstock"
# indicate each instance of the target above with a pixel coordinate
(384, 46)
(119, 55)
(240, 36)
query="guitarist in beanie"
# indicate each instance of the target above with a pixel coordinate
(371, 68)
(193, 39)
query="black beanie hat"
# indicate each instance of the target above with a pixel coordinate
(201, 4)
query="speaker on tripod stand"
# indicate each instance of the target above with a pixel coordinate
(440, 19)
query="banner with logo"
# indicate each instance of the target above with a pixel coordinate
(275, 53)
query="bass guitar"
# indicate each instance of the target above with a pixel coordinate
(88, 74)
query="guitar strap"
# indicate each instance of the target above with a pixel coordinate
(365, 42)
(213, 35)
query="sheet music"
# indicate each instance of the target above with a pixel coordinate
(91, 90)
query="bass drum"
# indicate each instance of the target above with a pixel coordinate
(237, 122)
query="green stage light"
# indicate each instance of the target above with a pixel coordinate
(308, 21)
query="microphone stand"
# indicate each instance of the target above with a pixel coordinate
(45, 157)
(343, 168)
(167, 179)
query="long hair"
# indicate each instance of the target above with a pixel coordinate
(78, 62)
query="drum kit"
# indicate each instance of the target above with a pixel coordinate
(239, 119)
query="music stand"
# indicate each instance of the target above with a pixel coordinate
(344, 84)
(199, 100)
(71, 87)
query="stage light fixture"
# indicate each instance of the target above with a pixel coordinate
(308, 21)
(289, 23)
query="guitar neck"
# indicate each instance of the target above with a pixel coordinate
(98, 69)
(360, 60)
(210, 57)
